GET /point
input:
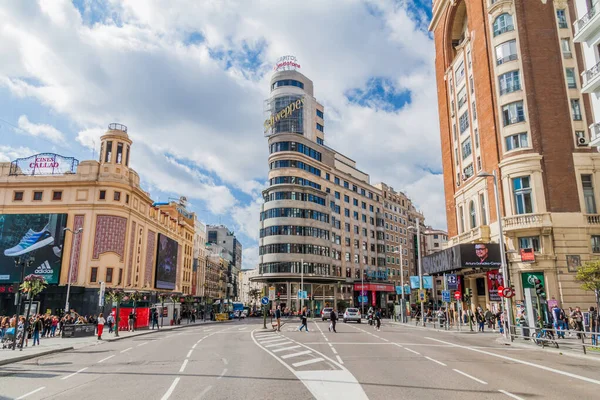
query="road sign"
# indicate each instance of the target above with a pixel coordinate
(457, 295)
(302, 294)
(422, 295)
(272, 293)
(452, 281)
(501, 291)
(264, 301)
(446, 296)
(508, 293)
(101, 294)
(363, 299)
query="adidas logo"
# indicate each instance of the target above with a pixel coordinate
(44, 269)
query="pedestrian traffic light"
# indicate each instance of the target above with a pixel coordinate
(539, 288)
(468, 295)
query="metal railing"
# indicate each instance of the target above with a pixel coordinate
(510, 88)
(590, 74)
(551, 337)
(583, 21)
(117, 127)
(510, 57)
(502, 30)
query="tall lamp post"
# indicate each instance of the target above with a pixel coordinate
(24, 263)
(77, 232)
(507, 301)
(419, 258)
(402, 304)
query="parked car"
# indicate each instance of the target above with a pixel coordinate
(326, 313)
(352, 314)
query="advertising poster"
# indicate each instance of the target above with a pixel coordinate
(36, 239)
(480, 255)
(494, 281)
(166, 263)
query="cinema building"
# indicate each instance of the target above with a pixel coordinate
(115, 234)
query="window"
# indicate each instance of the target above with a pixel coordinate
(119, 153)
(94, 274)
(522, 195)
(476, 138)
(108, 155)
(347, 198)
(482, 206)
(18, 196)
(462, 97)
(576, 109)
(287, 82)
(516, 141)
(346, 185)
(336, 180)
(356, 215)
(355, 202)
(571, 80)
(102, 195)
(337, 195)
(319, 127)
(346, 212)
(117, 196)
(320, 114)
(561, 16)
(530, 242)
(127, 156)
(109, 275)
(356, 230)
(474, 110)
(506, 52)
(454, 132)
(463, 122)
(472, 214)
(588, 194)
(37, 196)
(347, 227)
(509, 82)
(478, 163)
(57, 195)
(513, 113)
(347, 241)
(468, 172)
(472, 84)
(459, 72)
(126, 199)
(503, 23)
(565, 46)
(466, 148)
(461, 220)
(595, 244)
(363, 205)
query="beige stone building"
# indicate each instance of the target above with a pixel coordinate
(435, 240)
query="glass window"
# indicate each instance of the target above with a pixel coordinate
(468, 171)
(57, 195)
(108, 155)
(109, 275)
(462, 97)
(561, 16)
(472, 214)
(119, 153)
(483, 211)
(474, 110)
(565, 46)
(516, 141)
(319, 127)
(355, 202)
(347, 198)
(320, 114)
(94, 274)
(503, 23)
(18, 196)
(461, 220)
(287, 82)
(102, 195)
(37, 196)
(459, 72)
(576, 109)
(476, 138)
(571, 80)
(320, 141)
(506, 52)
(588, 194)
(595, 244)
(513, 113)
(337, 195)
(127, 156)
(530, 242)
(464, 122)
(336, 180)
(522, 195)
(466, 148)
(509, 82)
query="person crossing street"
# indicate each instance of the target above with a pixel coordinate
(333, 316)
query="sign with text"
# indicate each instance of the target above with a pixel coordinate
(527, 255)
(494, 282)
(272, 293)
(474, 255)
(44, 164)
(452, 280)
(446, 296)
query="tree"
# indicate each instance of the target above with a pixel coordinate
(589, 277)
(115, 295)
(32, 285)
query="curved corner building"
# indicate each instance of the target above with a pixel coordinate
(319, 209)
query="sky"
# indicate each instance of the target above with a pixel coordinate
(189, 79)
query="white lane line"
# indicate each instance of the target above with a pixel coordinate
(32, 392)
(208, 330)
(398, 344)
(142, 344)
(334, 350)
(501, 391)
(385, 339)
(183, 365)
(107, 358)
(265, 338)
(277, 344)
(241, 329)
(204, 392)
(222, 373)
(436, 361)
(307, 362)
(469, 376)
(284, 349)
(300, 353)
(225, 361)
(272, 341)
(189, 354)
(194, 346)
(339, 359)
(73, 374)
(516, 360)
(171, 389)
(412, 351)
(127, 349)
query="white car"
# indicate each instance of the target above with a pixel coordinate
(352, 314)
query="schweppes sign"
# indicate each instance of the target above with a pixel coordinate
(284, 113)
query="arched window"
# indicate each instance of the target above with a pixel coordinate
(503, 23)
(472, 215)
(483, 210)
(461, 220)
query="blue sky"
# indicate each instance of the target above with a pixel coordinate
(189, 80)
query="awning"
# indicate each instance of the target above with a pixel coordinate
(375, 287)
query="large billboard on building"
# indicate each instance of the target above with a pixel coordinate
(472, 255)
(44, 164)
(33, 239)
(166, 263)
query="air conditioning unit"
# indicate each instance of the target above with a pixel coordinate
(582, 141)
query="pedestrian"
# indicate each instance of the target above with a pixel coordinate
(480, 321)
(577, 317)
(333, 317)
(101, 322)
(594, 326)
(303, 318)
(278, 318)
(38, 328)
(558, 317)
(155, 320)
(132, 321)
(378, 319)
(53, 326)
(110, 320)
(488, 318)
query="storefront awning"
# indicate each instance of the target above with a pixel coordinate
(374, 287)
(472, 255)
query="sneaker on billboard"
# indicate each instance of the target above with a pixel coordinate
(31, 241)
(57, 250)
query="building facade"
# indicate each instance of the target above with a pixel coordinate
(248, 285)
(116, 233)
(435, 240)
(510, 103)
(221, 235)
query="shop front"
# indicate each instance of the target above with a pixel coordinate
(372, 295)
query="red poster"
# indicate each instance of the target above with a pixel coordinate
(494, 281)
(143, 315)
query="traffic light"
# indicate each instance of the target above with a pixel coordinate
(539, 288)
(468, 295)
(278, 296)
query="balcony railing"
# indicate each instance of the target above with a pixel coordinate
(590, 73)
(595, 131)
(583, 21)
(593, 219)
(527, 221)
(504, 29)
(510, 57)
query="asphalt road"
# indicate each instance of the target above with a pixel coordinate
(242, 361)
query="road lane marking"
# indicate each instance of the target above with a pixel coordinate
(225, 361)
(412, 351)
(194, 346)
(307, 362)
(398, 344)
(285, 348)
(222, 373)
(73, 374)
(208, 330)
(384, 339)
(189, 354)
(516, 360)
(436, 361)
(300, 353)
(334, 350)
(32, 392)
(469, 376)
(501, 391)
(171, 389)
(272, 341)
(277, 344)
(339, 359)
(241, 329)
(142, 344)
(183, 365)
(107, 358)
(127, 349)
(204, 392)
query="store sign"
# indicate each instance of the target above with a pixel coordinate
(494, 282)
(44, 164)
(286, 63)
(283, 113)
(527, 255)
(374, 287)
(528, 279)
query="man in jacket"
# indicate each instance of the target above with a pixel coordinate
(333, 317)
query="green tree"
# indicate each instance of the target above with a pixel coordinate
(115, 295)
(589, 277)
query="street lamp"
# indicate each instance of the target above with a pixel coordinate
(507, 302)
(77, 232)
(402, 302)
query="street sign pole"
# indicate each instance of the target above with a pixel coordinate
(264, 311)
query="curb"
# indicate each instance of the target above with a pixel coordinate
(150, 331)
(30, 356)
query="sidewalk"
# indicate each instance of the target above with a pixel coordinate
(57, 344)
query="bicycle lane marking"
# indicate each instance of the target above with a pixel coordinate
(330, 345)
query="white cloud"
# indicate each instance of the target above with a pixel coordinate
(8, 153)
(40, 130)
(90, 137)
(250, 258)
(247, 218)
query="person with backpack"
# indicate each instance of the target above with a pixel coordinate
(333, 317)
(558, 318)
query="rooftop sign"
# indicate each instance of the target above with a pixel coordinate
(44, 164)
(286, 63)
